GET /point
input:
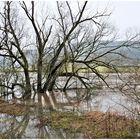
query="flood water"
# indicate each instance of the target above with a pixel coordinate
(28, 127)
(105, 99)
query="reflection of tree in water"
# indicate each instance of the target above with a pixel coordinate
(16, 128)
(31, 125)
(57, 99)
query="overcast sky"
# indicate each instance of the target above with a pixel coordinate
(125, 13)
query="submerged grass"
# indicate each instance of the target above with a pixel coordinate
(93, 124)
(12, 108)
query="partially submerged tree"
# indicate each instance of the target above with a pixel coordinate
(66, 45)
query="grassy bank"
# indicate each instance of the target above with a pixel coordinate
(103, 69)
(12, 108)
(82, 69)
(122, 69)
(93, 124)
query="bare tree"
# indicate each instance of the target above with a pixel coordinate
(12, 45)
(66, 45)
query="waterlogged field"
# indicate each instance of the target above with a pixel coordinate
(107, 113)
(58, 124)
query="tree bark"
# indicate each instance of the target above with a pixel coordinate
(27, 85)
(39, 73)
